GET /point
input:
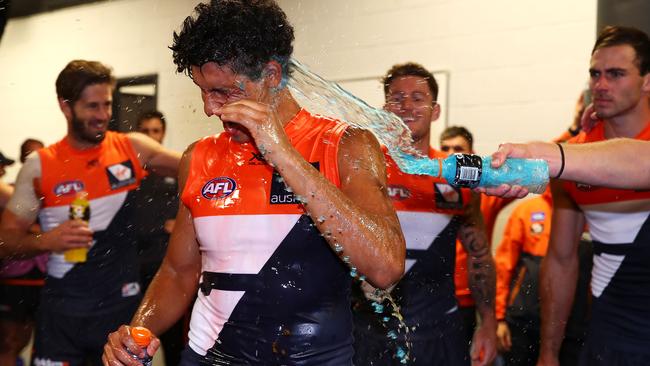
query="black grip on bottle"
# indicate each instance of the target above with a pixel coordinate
(468, 170)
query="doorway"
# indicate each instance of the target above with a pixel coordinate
(132, 97)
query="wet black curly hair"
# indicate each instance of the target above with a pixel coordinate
(241, 34)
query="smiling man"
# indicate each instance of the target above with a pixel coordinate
(274, 210)
(431, 214)
(82, 301)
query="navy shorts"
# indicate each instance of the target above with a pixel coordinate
(597, 353)
(75, 340)
(444, 345)
(191, 358)
(20, 296)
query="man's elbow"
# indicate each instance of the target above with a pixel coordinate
(391, 272)
(388, 277)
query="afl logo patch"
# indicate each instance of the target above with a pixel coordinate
(68, 187)
(398, 193)
(218, 188)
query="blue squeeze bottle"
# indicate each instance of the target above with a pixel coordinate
(471, 171)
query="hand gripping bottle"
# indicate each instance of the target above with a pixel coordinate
(79, 210)
(142, 337)
(471, 171)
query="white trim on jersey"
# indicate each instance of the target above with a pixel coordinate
(604, 269)
(613, 223)
(102, 212)
(421, 229)
(409, 263)
(209, 316)
(616, 222)
(223, 239)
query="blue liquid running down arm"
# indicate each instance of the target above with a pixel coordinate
(462, 170)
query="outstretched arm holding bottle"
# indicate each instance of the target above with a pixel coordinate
(611, 163)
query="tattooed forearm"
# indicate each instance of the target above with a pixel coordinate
(481, 272)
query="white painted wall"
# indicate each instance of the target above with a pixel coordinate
(515, 66)
(132, 36)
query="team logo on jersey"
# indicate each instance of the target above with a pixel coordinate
(448, 197)
(68, 187)
(130, 289)
(537, 228)
(537, 216)
(280, 193)
(218, 188)
(120, 174)
(398, 193)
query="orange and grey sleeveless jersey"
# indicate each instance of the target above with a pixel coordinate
(272, 291)
(109, 173)
(427, 209)
(620, 230)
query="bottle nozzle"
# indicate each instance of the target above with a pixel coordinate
(141, 336)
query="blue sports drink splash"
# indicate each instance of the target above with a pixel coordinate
(323, 97)
(327, 98)
(470, 171)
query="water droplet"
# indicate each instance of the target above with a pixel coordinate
(391, 334)
(378, 308)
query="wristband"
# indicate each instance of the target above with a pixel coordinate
(559, 173)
